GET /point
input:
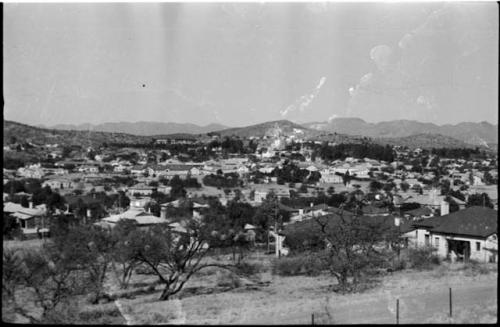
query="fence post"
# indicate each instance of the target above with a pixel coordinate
(397, 312)
(451, 305)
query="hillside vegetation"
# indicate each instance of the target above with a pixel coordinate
(39, 136)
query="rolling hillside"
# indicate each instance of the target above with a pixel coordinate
(39, 136)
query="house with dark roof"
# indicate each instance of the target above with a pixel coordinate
(465, 234)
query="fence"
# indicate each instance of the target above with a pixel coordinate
(397, 311)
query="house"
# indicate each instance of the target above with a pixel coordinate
(179, 170)
(88, 169)
(31, 172)
(33, 220)
(140, 189)
(139, 203)
(465, 234)
(261, 194)
(138, 216)
(310, 212)
(329, 176)
(58, 183)
(419, 213)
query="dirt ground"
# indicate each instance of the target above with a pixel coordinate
(271, 299)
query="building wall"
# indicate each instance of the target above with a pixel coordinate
(477, 246)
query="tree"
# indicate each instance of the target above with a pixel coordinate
(174, 256)
(404, 186)
(445, 187)
(351, 246)
(73, 263)
(11, 227)
(123, 254)
(482, 200)
(488, 178)
(375, 186)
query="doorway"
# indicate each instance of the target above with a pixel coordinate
(459, 249)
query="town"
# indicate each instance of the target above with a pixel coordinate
(261, 194)
(250, 163)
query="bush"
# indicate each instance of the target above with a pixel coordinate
(477, 268)
(248, 269)
(303, 264)
(423, 258)
(228, 280)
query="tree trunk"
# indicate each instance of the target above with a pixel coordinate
(165, 294)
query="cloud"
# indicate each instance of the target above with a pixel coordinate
(332, 117)
(383, 57)
(406, 41)
(304, 101)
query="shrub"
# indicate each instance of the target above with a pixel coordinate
(303, 264)
(248, 269)
(477, 268)
(423, 258)
(228, 280)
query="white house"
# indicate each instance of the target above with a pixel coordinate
(465, 234)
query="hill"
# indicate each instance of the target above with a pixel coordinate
(143, 128)
(479, 134)
(259, 130)
(39, 136)
(424, 141)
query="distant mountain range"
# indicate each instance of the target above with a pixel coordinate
(482, 133)
(142, 128)
(341, 130)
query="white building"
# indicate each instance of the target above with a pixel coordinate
(465, 234)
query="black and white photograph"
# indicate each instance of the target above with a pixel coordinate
(250, 163)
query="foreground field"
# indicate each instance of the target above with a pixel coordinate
(217, 297)
(270, 299)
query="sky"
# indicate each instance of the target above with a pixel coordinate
(245, 63)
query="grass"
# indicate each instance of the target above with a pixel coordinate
(484, 313)
(216, 296)
(28, 244)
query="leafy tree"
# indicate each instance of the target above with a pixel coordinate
(482, 200)
(351, 246)
(404, 186)
(11, 227)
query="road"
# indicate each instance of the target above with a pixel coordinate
(381, 308)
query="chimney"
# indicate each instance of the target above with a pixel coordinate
(31, 204)
(445, 208)
(312, 204)
(89, 214)
(163, 212)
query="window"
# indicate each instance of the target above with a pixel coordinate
(436, 242)
(478, 246)
(426, 239)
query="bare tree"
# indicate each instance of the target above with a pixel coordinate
(174, 255)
